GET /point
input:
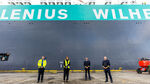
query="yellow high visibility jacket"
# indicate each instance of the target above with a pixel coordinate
(67, 64)
(40, 63)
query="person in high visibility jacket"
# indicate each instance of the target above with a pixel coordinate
(41, 67)
(66, 69)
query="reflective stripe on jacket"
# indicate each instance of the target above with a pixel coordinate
(67, 64)
(40, 63)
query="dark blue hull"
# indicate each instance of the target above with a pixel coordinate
(122, 41)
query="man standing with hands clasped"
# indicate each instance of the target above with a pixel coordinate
(87, 68)
(41, 67)
(106, 66)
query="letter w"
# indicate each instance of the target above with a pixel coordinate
(100, 12)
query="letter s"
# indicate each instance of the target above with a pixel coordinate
(63, 13)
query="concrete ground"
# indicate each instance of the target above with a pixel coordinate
(123, 77)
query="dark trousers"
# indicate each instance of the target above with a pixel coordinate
(107, 72)
(40, 74)
(87, 71)
(66, 74)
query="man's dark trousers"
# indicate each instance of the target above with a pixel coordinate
(87, 70)
(66, 73)
(107, 72)
(41, 74)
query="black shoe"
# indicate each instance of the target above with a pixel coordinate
(66, 80)
(106, 81)
(111, 81)
(37, 81)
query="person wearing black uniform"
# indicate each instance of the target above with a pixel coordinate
(106, 66)
(66, 68)
(87, 68)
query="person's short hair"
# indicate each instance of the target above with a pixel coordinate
(67, 57)
(105, 57)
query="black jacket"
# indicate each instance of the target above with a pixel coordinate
(87, 64)
(106, 63)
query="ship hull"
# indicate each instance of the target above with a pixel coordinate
(123, 42)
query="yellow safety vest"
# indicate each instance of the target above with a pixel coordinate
(66, 65)
(40, 63)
